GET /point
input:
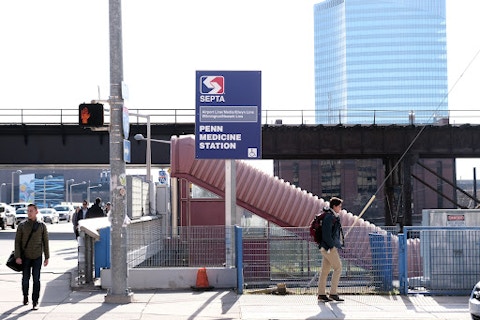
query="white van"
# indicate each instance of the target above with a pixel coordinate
(7, 216)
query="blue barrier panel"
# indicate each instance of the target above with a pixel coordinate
(381, 260)
(239, 258)
(402, 263)
(102, 251)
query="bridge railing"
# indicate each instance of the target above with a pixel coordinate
(269, 116)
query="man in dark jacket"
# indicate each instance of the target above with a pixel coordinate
(31, 241)
(95, 211)
(80, 213)
(331, 242)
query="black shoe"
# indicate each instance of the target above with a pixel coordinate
(25, 300)
(35, 306)
(324, 298)
(335, 297)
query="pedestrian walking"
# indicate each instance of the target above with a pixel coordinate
(31, 243)
(95, 211)
(80, 213)
(332, 241)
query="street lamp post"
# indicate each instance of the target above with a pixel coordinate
(1, 189)
(75, 184)
(66, 188)
(45, 189)
(13, 184)
(88, 190)
(148, 161)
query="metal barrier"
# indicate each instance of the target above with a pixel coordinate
(269, 116)
(433, 260)
(450, 260)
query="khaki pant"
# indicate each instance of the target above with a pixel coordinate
(329, 260)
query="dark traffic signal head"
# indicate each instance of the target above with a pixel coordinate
(90, 114)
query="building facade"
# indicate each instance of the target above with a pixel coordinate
(381, 60)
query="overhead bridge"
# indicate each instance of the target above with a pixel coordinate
(72, 144)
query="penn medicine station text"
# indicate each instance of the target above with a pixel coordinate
(213, 138)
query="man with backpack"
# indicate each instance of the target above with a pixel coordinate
(330, 243)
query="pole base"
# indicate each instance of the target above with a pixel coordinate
(119, 298)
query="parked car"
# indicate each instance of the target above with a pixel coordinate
(7, 216)
(49, 215)
(474, 302)
(18, 205)
(65, 212)
(21, 214)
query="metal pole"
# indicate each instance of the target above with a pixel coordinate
(66, 189)
(13, 184)
(88, 193)
(119, 292)
(151, 191)
(230, 209)
(44, 192)
(13, 189)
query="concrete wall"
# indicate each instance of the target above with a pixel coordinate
(172, 278)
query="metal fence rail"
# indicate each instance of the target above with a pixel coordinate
(433, 260)
(450, 260)
(275, 255)
(269, 116)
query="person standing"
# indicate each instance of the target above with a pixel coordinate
(108, 209)
(31, 242)
(331, 243)
(80, 214)
(95, 211)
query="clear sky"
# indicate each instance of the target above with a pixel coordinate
(55, 53)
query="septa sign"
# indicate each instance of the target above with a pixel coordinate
(228, 115)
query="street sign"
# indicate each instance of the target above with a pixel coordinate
(126, 151)
(228, 115)
(162, 177)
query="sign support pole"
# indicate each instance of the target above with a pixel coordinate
(119, 292)
(230, 210)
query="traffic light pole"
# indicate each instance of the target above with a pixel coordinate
(119, 293)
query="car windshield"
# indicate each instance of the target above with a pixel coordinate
(61, 208)
(21, 211)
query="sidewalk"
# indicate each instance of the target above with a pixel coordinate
(59, 301)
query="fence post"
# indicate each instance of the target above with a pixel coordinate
(402, 263)
(239, 258)
(88, 259)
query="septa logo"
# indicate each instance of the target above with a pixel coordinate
(212, 85)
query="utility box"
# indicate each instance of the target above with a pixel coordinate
(102, 251)
(450, 248)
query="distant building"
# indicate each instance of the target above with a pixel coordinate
(385, 61)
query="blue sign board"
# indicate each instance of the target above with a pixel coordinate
(126, 151)
(228, 118)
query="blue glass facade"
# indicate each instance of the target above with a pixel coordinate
(382, 60)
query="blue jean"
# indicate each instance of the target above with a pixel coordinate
(31, 267)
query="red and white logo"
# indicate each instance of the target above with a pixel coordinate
(212, 85)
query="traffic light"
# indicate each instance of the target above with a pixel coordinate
(90, 114)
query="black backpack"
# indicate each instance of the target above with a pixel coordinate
(316, 226)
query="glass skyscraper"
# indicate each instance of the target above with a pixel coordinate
(382, 62)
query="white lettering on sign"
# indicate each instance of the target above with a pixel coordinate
(216, 98)
(210, 128)
(208, 139)
(217, 145)
(222, 137)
